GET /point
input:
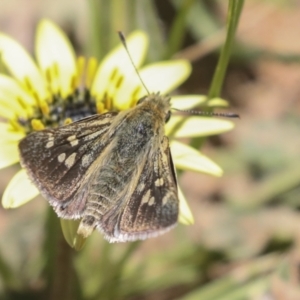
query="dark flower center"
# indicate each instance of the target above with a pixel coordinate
(76, 106)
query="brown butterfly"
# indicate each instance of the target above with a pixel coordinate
(113, 171)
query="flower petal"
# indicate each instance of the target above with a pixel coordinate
(185, 214)
(9, 139)
(117, 66)
(69, 229)
(9, 135)
(182, 126)
(217, 102)
(19, 191)
(160, 77)
(9, 155)
(165, 76)
(190, 101)
(187, 101)
(56, 57)
(22, 66)
(14, 100)
(188, 158)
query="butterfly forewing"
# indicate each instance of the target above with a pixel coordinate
(57, 160)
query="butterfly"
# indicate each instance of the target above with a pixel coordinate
(114, 171)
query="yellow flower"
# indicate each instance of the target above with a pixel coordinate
(61, 88)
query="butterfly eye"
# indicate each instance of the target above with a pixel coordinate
(141, 100)
(168, 116)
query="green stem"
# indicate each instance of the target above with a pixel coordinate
(59, 261)
(113, 276)
(61, 287)
(234, 11)
(106, 18)
(178, 28)
(103, 34)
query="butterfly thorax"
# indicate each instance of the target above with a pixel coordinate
(159, 105)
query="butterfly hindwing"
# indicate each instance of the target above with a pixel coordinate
(152, 208)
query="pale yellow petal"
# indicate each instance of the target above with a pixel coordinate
(165, 76)
(217, 102)
(185, 126)
(22, 66)
(186, 102)
(117, 66)
(160, 77)
(9, 140)
(8, 134)
(19, 191)
(14, 99)
(185, 214)
(188, 158)
(69, 229)
(9, 154)
(56, 56)
(6, 112)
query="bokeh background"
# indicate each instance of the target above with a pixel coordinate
(245, 240)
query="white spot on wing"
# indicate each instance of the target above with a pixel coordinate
(50, 144)
(151, 201)
(159, 182)
(73, 141)
(146, 197)
(50, 141)
(61, 157)
(69, 162)
(166, 198)
(86, 159)
(140, 187)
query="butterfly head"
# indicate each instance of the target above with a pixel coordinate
(158, 103)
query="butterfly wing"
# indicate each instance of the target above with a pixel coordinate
(57, 159)
(153, 206)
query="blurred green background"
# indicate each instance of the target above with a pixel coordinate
(245, 240)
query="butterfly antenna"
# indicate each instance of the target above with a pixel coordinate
(207, 113)
(123, 40)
